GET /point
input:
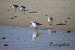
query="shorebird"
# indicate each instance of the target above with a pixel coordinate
(35, 24)
(22, 8)
(14, 6)
(50, 20)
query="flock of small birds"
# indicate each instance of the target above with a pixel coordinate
(35, 23)
(50, 21)
(22, 8)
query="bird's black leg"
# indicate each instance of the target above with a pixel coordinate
(22, 11)
(36, 29)
(15, 9)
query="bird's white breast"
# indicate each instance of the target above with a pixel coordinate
(49, 20)
(12, 6)
(34, 24)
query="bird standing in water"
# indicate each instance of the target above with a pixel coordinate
(50, 20)
(35, 24)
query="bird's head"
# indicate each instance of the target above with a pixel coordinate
(49, 17)
(32, 21)
(12, 5)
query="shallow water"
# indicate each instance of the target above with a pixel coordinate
(19, 38)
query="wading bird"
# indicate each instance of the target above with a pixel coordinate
(50, 20)
(14, 6)
(35, 24)
(22, 8)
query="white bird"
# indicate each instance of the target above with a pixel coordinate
(35, 24)
(35, 35)
(14, 6)
(22, 8)
(50, 20)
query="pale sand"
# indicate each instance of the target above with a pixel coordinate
(58, 9)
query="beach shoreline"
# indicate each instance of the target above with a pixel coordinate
(39, 11)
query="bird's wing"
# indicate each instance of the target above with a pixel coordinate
(37, 23)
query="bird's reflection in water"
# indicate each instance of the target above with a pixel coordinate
(35, 35)
(50, 31)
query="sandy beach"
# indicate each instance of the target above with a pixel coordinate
(16, 33)
(60, 10)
